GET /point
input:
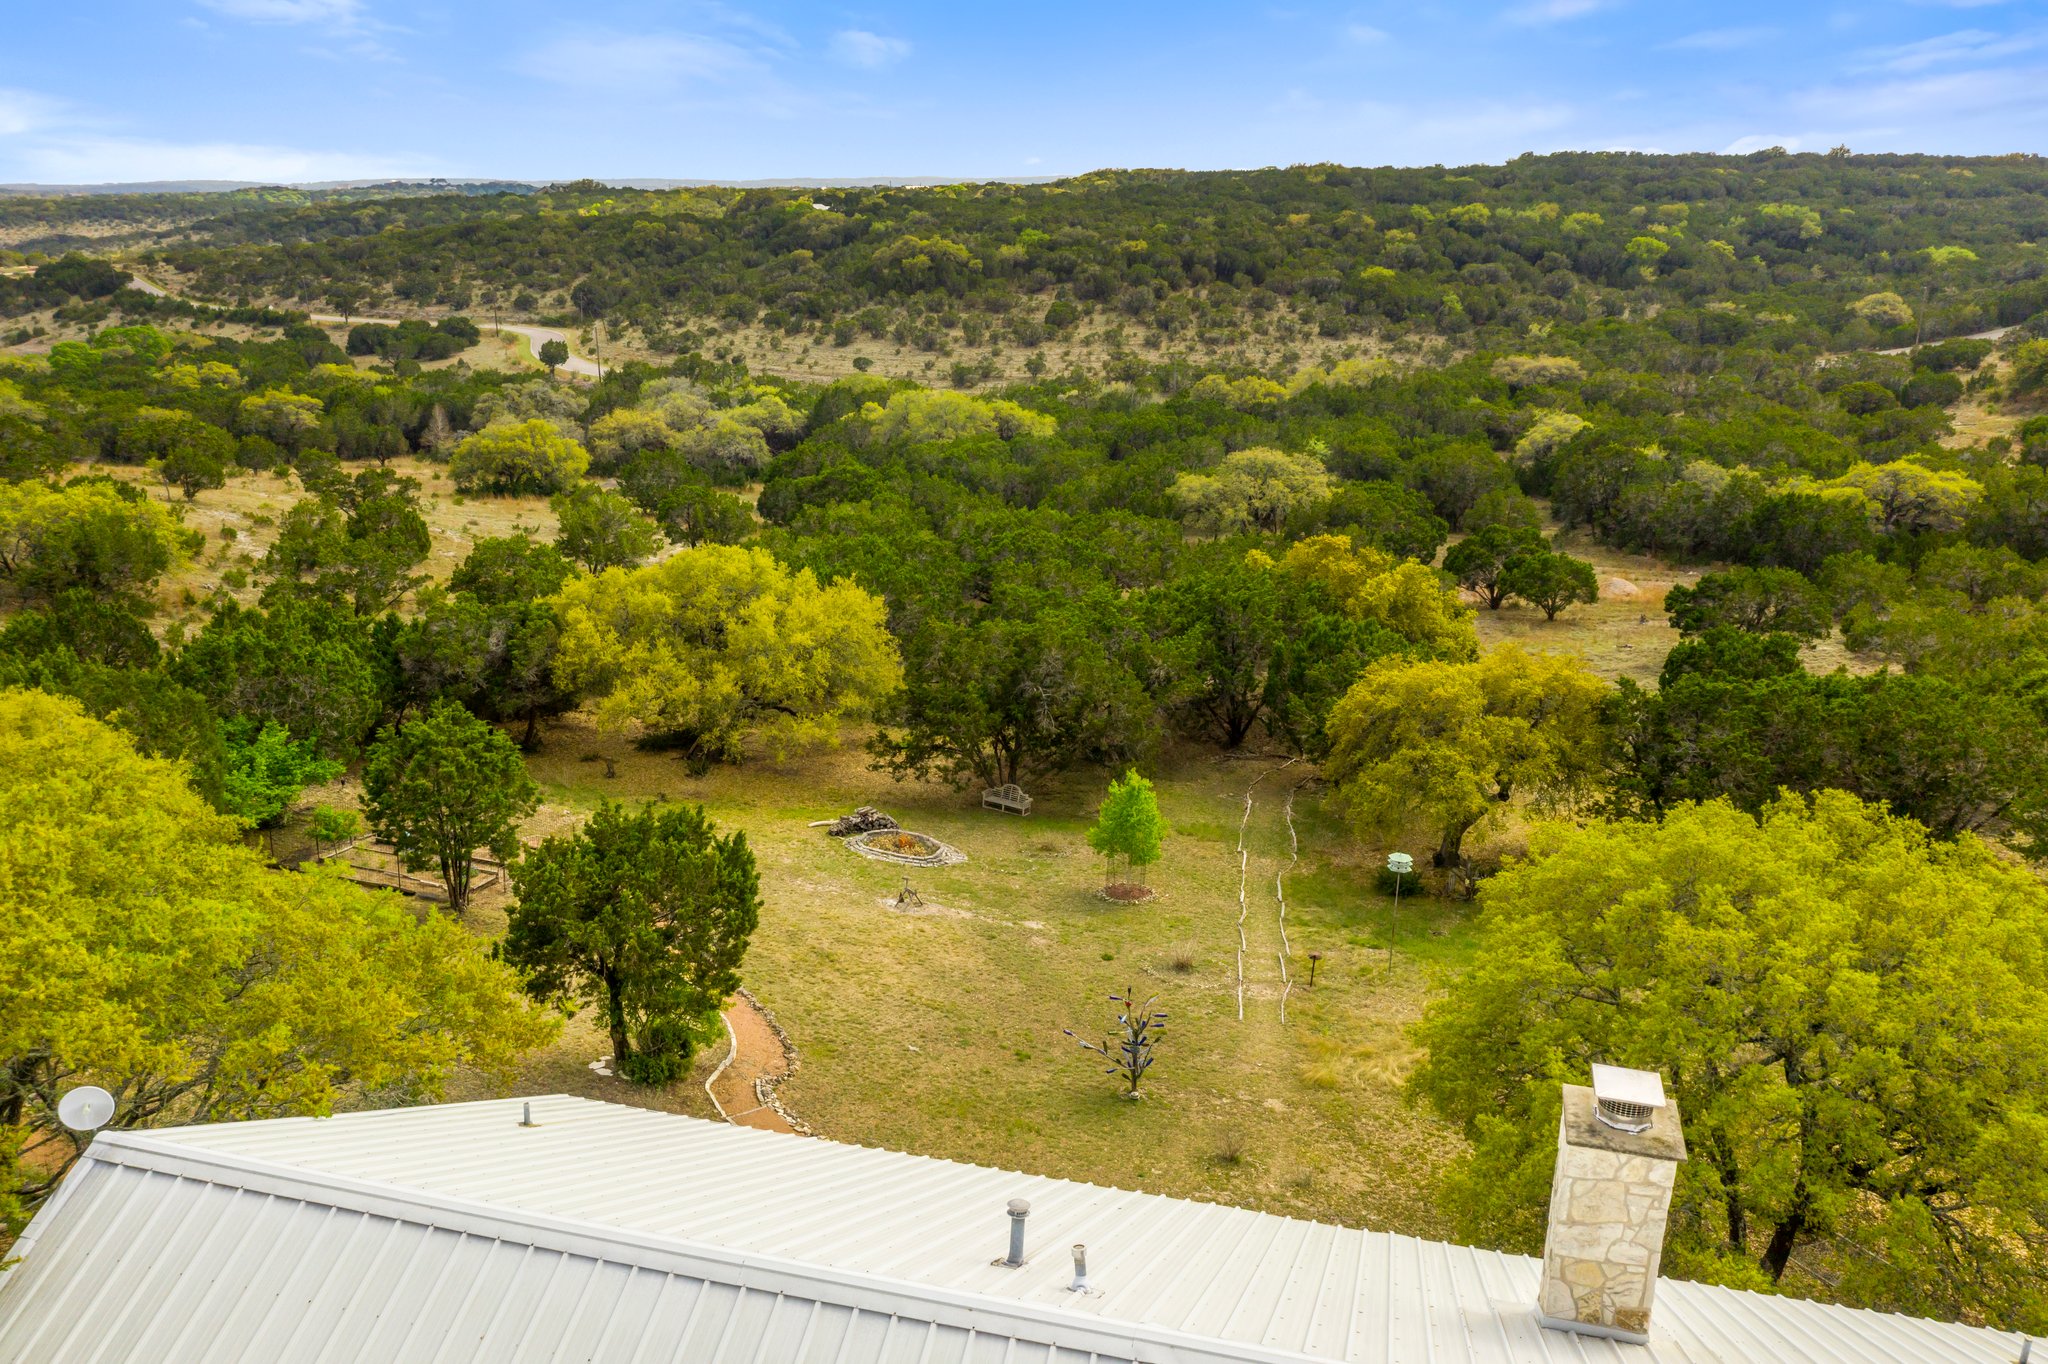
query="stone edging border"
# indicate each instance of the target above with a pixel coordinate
(766, 1085)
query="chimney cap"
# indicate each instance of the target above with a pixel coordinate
(1619, 1084)
(1627, 1100)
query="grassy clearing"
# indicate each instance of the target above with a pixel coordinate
(1625, 633)
(251, 505)
(940, 1031)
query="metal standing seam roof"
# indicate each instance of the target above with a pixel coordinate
(614, 1233)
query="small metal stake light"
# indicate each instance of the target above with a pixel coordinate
(1401, 864)
(1314, 960)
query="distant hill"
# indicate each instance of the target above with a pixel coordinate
(462, 186)
(31, 191)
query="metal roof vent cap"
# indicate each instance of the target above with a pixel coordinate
(1626, 1100)
(1018, 1210)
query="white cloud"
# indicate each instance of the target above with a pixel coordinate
(1553, 11)
(2013, 93)
(1374, 132)
(1968, 45)
(341, 12)
(1719, 39)
(89, 159)
(870, 51)
(22, 111)
(1757, 142)
(1365, 34)
(645, 62)
(55, 142)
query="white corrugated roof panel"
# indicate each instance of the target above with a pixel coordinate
(608, 1232)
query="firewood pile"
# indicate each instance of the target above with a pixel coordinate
(866, 820)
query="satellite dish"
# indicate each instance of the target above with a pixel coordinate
(85, 1109)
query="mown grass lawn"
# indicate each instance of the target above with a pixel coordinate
(940, 1031)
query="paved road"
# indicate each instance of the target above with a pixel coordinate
(575, 364)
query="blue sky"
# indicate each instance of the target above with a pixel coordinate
(297, 90)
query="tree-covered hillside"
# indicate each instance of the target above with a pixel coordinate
(1344, 252)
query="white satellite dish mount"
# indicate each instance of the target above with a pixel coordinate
(85, 1109)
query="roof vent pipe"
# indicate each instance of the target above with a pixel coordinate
(526, 1116)
(1019, 1210)
(1080, 1283)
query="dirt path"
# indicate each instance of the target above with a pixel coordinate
(536, 336)
(758, 1054)
(1994, 334)
(1276, 950)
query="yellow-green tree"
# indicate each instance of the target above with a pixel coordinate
(1129, 826)
(1851, 1015)
(531, 456)
(290, 419)
(720, 644)
(618, 436)
(1409, 598)
(1444, 747)
(1905, 496)
(922, 415)
(91, 535)
(1256, 489)
(143, 948)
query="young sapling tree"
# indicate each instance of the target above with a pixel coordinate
(1128, 826)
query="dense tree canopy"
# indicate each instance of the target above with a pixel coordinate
(146, 950)
(715, 646)
(1257, 406)
(1442, 747)
(1850, 1016)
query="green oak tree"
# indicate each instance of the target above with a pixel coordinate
(531, 456)
(1850, 1015)
(1444, 747)
(443, 785)
(1550, 581)
(643, 914)
(719, 644)
(1479, 562)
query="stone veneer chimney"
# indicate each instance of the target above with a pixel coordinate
(1618, 1148)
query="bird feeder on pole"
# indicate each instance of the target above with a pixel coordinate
(1401, 864)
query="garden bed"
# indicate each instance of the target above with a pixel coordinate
(904, 846)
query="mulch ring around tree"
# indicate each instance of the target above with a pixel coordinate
(905, 847)
(1127, 894)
